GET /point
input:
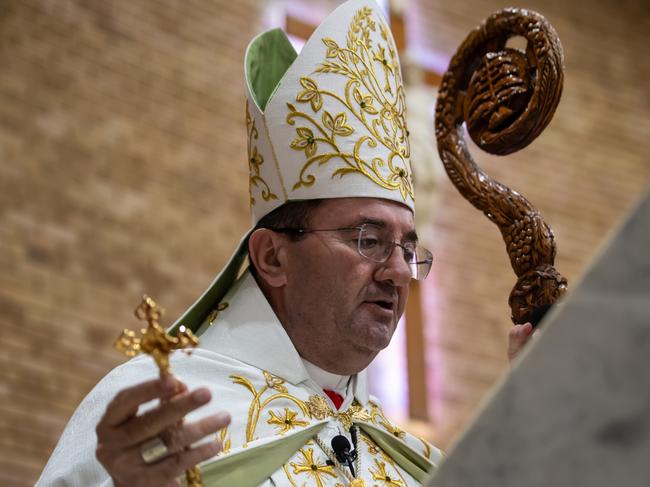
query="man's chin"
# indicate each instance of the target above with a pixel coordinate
(376, 336)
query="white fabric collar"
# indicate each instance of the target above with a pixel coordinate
(248, 330)
(327, 380)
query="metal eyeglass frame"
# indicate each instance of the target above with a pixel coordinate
(419, 269)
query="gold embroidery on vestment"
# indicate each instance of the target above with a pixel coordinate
(273, 383)
(426, 451)
(286, 422)
(312, 468)
(374, 450)
(225, 441)
(215, 312)
(379, 473)
(320, 409)
(286, 472)
(377, 417)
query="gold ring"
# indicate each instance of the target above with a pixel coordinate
(153, 450)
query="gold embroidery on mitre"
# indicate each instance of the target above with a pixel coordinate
(255, 160)
(379, 107)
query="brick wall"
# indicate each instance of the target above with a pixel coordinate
(122, 171)
(122, 143)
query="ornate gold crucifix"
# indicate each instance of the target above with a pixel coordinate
(154, 341)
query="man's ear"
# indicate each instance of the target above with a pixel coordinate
(267, 252)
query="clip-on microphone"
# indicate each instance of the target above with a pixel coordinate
(341, 447)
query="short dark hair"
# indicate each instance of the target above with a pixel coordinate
(292, 214)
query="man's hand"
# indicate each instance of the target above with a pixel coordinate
(121, 433)
(517, 338)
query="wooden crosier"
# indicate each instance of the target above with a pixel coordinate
(154, 341)
(505, 97)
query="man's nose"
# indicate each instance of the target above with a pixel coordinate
(395, 269)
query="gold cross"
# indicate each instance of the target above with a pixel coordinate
(154, 341)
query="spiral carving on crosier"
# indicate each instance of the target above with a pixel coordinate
(505, 97)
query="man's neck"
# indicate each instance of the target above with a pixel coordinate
(327, 380)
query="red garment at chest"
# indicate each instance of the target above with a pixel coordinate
(336, 398)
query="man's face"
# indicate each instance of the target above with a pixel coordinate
(340, 304)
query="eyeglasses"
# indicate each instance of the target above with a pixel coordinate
(375, 243)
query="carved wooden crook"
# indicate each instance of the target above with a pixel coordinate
(506, 97)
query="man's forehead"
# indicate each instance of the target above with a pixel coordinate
(355, 211)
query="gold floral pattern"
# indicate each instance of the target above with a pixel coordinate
(380, 473)
(379, 110)
(392, 429)
(215, 312)
(354, 413)
(377, 417)
(337, 124)
(317, 471)
(286, 422)
(374, 450)
(276, 389)
(309, 465)
(305, 141)
(310, 94)
(426, 447)
(364, 102)
(255, 160)
(320, 409)
(226, 444)
(370, 445)
(274, 382)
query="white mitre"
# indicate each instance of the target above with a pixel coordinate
(327, 123)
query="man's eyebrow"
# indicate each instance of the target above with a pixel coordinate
(410, 236)
(372, 221)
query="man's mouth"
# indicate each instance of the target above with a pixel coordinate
(387, 305)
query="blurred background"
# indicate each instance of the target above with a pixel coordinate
(123, 171)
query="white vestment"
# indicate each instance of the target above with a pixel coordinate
(282, 422)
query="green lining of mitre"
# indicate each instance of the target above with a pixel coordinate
(194, 317)
(268, 57)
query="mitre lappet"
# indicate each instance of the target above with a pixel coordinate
(329, 122)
